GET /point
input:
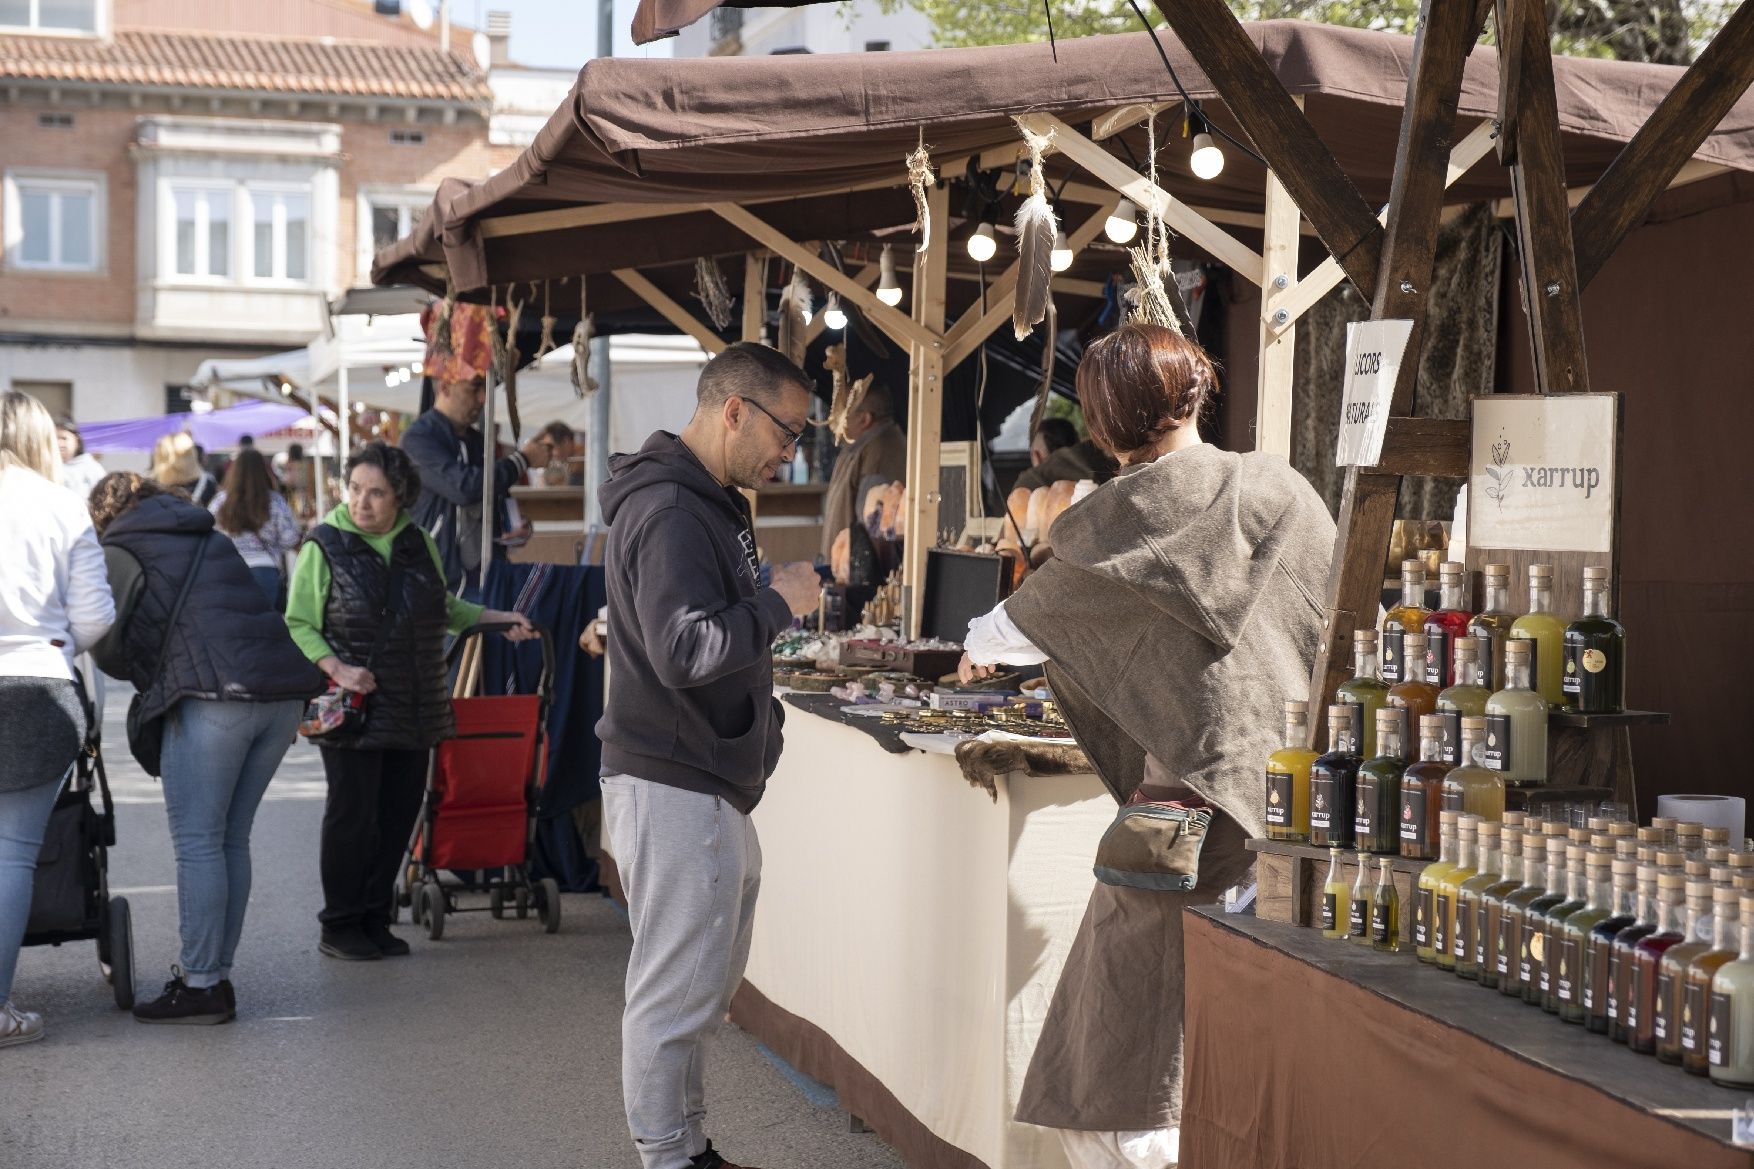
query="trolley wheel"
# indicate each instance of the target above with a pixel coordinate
(496, 903)
(432, 900)
(548, 904)
(523, 902)
(121, 930)
(417, 906)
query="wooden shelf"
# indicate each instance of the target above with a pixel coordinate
(1399, 864)
(1626, 718)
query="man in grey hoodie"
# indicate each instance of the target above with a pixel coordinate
(691, 730)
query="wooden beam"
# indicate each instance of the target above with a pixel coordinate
(925, 419)
(1126, 117)
(902, 330)
(1549, 270)
(1275, 370)
(589, 215)
(670, 310)
(1254, 96)
(1622, 197)
(1426, 446)
(754, 295)
(1217, 242)
(1695, 171)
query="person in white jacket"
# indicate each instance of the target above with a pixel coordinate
(55, 603)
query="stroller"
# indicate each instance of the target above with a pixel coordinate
(478, 820)
(70, 896)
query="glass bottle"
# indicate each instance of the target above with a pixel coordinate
(1425, 899)
(1513, 962)
(1446, 624)
(1598, 1002)
(1696, 1005)
(1547, 630)
(1407, 617)
(1667, 825)
(1574, 940)
(1595, 653)
(1449, 892)
(1534, 939)
(1288, 778)
(1365, 692)
(1385, 909)
(1516, 723)
(1465, 699)
(1488, 958)
(1376, 825)
(1553, 929)
(1471, 787)
(1422, 793)
(1492, 624)
(1414, 695)
(1333, 780)
(1622, 1007)
(1358, 908)
(1671, 996)
(1469, 900)
(1690, 839)
(1335, 896)
(1730, 1031)
(1642, 986)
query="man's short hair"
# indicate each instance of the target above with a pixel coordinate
(1056, 433)
(748, 370)
(879, 401)
(558, 431)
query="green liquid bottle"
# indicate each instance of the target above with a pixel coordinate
(1516, 722)
(1730, 1030)
(1425, 901)
(1406, 617)
(1575, 937)
(1489, 959)
(1671, 996)
(1595, 653)
(1376, 823)
(1358, 909)
(1492, 625)
(1534, 941)
(1365, 693)
(1577, 888)
(1546, 629)
(1470, 902)
(1336, 898)
(1466, 699)
(1514, 958)
(1288, 778)
(1469, 787)
(1385, 909)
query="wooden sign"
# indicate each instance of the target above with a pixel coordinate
(1373, 362)
(1542, 474)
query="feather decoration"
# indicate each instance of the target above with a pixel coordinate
(1049, 354)
(712, 292)
(441, 331)
(834, 360)
(796, 303)
(919, 177)
(583, 384)
(1036, 229)
(546, 345)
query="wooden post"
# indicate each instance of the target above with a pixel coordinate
(1279, 245)
(925, 416)
(754, 295)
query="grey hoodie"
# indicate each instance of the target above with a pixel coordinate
(690, 699)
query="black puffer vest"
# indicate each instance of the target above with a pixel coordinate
(411, 708)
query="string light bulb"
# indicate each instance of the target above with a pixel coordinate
(833, 315)
(888, 287)
(1206, 161)
(982, 246)
(1061, 257)
(1123, 224)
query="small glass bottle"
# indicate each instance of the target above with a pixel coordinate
(1385, 909)
(1595, 653)
(1335, 898)
(1492, 624)
(1623, 1005)
(1471, 787)
(1696, 1011)
(1446, 624)
(1471, 899)
(1449, 892)
(1288, 778)
(1407, 617)
(1575, 937)
(1553, 930)
(1333, 780)
(1488, 959)
(1534, 940)
(1667, 825)
(1365, 692)
(1671, 996)
(1516, 723)
(1598, 1003)
(1376, 825)
(1414, 695)
(1358, 909)
(1547, 630)
(1642, 987)
(1730, 1041)
(1422, 793)
(1465, 699)
(1513, 961)
(1425, 899)
(1690, 839)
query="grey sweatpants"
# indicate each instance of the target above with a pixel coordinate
(691, 867)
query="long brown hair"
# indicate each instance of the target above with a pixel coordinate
(249, 488)
(1139, 383)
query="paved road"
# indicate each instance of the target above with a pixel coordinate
(499, 1046)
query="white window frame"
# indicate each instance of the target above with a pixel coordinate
(89, 183)
(252, 191)
(100, 20)
(228, 191)
(405, 201)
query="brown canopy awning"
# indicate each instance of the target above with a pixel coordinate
(814, 144)
(657, 19)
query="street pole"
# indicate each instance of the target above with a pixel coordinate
(597, 439)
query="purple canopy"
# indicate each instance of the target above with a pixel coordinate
(215, 430)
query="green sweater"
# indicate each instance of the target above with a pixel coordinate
(307, 595)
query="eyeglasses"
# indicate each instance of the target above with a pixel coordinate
(793, 437)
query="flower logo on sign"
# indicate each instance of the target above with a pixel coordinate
(1499, 473)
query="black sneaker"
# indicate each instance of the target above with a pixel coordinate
(231, 998)
(349, 946)
(185, 1004)
(388, 944)
(711, 1160)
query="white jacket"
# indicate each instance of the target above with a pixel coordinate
(54, 593)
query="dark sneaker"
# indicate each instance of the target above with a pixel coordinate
(231, 998)
(182, 1003)
(388, 944)
(348, 945)
(711, 1160)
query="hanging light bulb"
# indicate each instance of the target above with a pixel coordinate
(888, 288)
(833, 315)
(1207, 160)
(1061, 257)
(981, 245)
(1123, 225)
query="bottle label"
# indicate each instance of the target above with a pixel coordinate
(1379, 921)
(1355, 741)
(1634, 982)
(1414, 806)
(1506, 943)
(1616, 986)
(1422, 919)
(1278, 799)
(1495, 749)
(1436, 657)
(1440, 923)
(1330, 911)
(1464, 943)
(1530, 966)
(1321, 805)
(1595, 976)
(1565, 985)
(1356, 922)
(1450, 800)
(1571, 681)
(1718, 1038)
(1693, 1008)
(1452, 736)
(1364, 815)
(1484, 933)
(1549, 956)
(1392, 639)
(1660, 1021)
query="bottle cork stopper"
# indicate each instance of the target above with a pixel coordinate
(1722, 874)
(1598, 862)
(1512, 838)
(1647, 872)
(1690, 829)
(1478, 727)
(1518, 647)
(1468, 824)
(1670, 858)
(1619, 828)
(1450, 568)
(1467, 648)
(1430, 722)
(1490, 828)
(1448, 816)
(1575, 853)
(1341, 712)
(1578, 835)
(1651, 835)
(1717, 854)
(1335, 850)
(1541, 572)
(1625, 846)
(1496, 570)
(1717, 836)
(1297, 706)
(1364, 637)
(1517, 818)
(1595, 572)
(1742, 860)
(1745, 880)
(1534, 845)
(1601, 841)
(1647, 854)
(1412, 568)
(1413, 645)
(1625, 866)
(1698, 867)
(1557, 828)
(1699, 889)
(1664, 823)
(1724, 897)
(1597, 823)
(1747, 906)
(1671, 882)
(1391, 719)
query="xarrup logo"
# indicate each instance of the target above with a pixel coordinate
(1505, 477)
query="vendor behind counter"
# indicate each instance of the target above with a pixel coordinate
(875, 451)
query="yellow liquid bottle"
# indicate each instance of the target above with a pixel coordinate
(1466, 699)
(1336, 899)
(1696, 1002)
(1358, 908)
(1385, 909)
(1547, 630)
(1407, 617)
(1492, 625)
(1288, 778)
(1425, 901)
(1470, 787)
(1449, 891)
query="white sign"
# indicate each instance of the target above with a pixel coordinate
(1373, 362)
(1542, 473)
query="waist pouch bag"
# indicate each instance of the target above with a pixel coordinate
(1154, 844)
(66, 874)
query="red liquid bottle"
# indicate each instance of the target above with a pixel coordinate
(1642, 988)
(1444, 626)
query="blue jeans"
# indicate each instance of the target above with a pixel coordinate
(218, 759)
(23, 817)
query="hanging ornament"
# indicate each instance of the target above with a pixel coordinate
(795, 308)
(712, 292)
(1150, 299)
(919, 177)
(545, 346)
(509, 359)
(583, 384)
(1036, 232)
